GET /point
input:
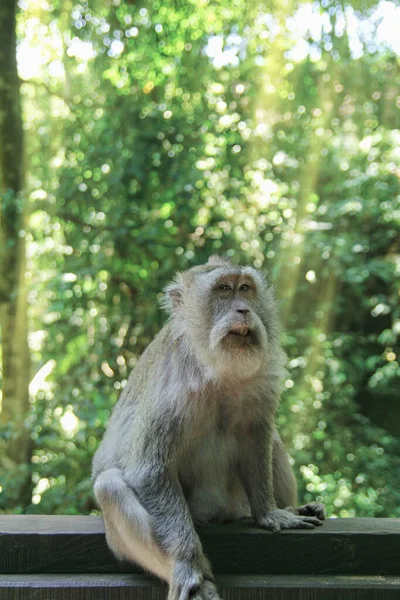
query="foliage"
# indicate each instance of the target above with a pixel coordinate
(161, 133)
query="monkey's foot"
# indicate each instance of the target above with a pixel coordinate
(312, 509)
(189, 579)
(207, 591)
(278, 519)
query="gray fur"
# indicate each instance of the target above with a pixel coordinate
(192, 438)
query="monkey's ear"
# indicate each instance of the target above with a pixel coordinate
(172, 298)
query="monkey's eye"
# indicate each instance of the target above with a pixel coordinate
(244, 287)
(224, 287)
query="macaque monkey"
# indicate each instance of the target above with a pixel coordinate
(192, 438)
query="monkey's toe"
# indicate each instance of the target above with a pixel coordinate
(186, 582)
(207, 591)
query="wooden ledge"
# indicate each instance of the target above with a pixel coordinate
(231, 587)
(32, 544)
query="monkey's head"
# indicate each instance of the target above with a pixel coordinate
(227, 314)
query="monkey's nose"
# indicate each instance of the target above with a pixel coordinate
(243, 311)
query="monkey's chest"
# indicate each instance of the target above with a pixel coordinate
(210, 478)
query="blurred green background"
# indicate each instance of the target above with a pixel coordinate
(154, 134)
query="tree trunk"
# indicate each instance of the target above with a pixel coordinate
(15, 441)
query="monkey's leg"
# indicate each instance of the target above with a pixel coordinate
(159, 490)
(128, 526)
(130, 535)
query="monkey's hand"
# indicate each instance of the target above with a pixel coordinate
(312, 509)
(189, 578)
(278, 519)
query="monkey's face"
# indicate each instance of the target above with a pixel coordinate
(226, 309)
(228, 316)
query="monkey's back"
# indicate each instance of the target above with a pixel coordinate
(131, 409)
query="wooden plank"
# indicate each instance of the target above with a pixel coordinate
(63, 544)
(126, 587)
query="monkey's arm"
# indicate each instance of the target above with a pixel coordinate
(256, 469)
(257, 474)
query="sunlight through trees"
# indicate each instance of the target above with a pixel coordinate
(159, 133)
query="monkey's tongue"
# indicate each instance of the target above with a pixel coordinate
(240, 331)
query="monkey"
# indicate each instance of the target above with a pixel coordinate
(192, 438)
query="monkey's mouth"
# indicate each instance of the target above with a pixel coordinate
(239, 331)
(241, 336)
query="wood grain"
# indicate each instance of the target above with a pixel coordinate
(233, 587)
(63, 544)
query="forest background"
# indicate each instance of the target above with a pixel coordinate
(139, 138)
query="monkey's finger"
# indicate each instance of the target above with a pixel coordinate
(319, 510)
(312, 520)
(303, 525)
(270, 526)
(312, 509)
